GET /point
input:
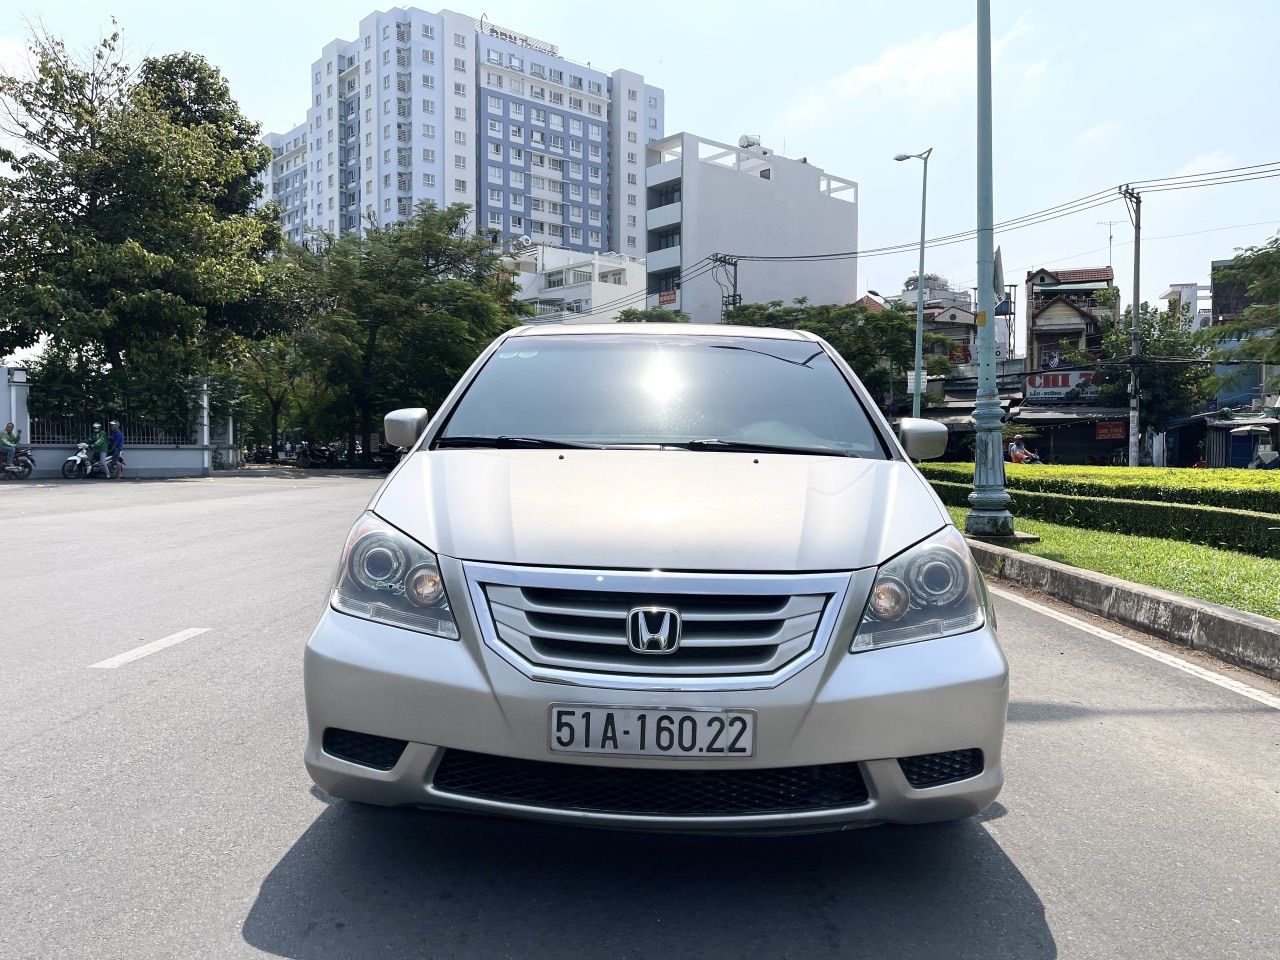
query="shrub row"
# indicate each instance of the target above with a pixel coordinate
(1240, 530)
(1254, 490)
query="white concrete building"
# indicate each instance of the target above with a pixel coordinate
(447, 108)
(566, 286)
(705, 198)
(1187, 299)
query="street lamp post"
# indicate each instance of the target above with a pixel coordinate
(924, 195)
(989, 514)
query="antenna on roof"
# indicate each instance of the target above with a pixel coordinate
(1110, 234)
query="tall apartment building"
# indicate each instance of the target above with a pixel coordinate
(445, 108)
(285, 180)
(704, 198)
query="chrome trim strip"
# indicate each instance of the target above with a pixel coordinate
(837, 585)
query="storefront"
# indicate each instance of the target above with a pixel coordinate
(1077, 434)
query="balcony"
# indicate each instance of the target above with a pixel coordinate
(667, 259)
(663, 172)
(663, 216)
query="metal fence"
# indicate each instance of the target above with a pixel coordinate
(70, 430)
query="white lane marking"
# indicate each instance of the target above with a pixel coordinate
(1186, 666)
(137, 653)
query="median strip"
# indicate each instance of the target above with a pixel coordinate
(155, 646)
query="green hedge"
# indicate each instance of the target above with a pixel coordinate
(1240, 530)
(1254, 490)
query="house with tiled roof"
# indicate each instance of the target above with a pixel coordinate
(1063, 310)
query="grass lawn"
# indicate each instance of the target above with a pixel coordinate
(1206, 573)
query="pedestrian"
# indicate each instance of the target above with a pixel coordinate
(115, 447)
(98, 448)
(9, 446)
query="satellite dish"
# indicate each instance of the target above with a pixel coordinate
(746, 141)
(525, 241)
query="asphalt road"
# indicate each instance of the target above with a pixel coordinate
(160, 809)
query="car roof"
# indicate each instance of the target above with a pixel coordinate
(667, 329)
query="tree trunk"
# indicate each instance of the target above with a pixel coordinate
(366, 392)
(276, 404)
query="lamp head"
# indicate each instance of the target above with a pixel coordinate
(903, 156)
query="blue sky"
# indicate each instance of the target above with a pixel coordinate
(1087, 95)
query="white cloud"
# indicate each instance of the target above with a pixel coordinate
(932, 67)
(1098, 134)
(1215, 160)
(13, 55)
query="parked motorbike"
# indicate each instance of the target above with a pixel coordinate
(317, 455)
(20, 466)
(84, 464)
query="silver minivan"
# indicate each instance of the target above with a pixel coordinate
(660, 577)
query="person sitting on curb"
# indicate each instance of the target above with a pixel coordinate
(115, 447)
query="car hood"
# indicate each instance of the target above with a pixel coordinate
(660, 509)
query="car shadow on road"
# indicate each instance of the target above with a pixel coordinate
(369, 882)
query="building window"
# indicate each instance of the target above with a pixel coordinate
(594, 109)
(494, 56)
(460, 186)
(386, 205)
(386, 156)
(429, 130)
(631, 219)
(428, 179)
(595, 238)
(428, 155)
(556, 97)
(428, 56)
(631, 242)
(517, 178)
(495, 219)
(653, 103)
(495, 105)
(460, 40)
(653, 123)
(556, 76)
(494, 80)
(495, 174)
(495, 196)
(595, 131)
(459, 162)
(595, 152)
(428, 106)
(632, 94)
(460, 64)
(631, 156)
(631, 116)
(593, 216)
(594, 195)
(517, 223)
(459, 89)
(631, 199)
(428, 32)
(459, 113)
(517, 111)
(575, 234)
(516, 132)
(428, 81)
(631, 136)
(460, 136)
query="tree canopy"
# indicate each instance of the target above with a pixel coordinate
(652, 315)
(871, 343)
(1258, 332)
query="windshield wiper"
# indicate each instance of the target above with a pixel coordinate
(744, 446)
(515, 443)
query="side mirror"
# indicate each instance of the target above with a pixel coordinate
(923, 439)
(402, 428)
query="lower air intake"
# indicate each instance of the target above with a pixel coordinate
(932, 769)
(669, 793)
(366, 749)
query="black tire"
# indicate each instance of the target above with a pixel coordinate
(24, 470)
(304, 460)
(69, 471)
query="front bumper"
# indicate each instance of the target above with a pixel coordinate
(871, 708)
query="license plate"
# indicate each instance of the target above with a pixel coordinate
(651, 731)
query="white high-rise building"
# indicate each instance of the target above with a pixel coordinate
(705, 199)
(285, 180)
(445, 108)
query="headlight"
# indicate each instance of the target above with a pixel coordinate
(390, 578)
(932, 590)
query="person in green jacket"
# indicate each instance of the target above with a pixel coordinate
(8, 446)
(98, 447)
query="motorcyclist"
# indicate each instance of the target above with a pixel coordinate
(1019, 453)
(115, 444)
(98, 446)
(9, 446)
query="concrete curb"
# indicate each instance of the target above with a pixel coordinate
(1244, 639)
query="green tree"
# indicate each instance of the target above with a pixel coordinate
(1175, 377)
(869, 342)
(409, 306)
(652, 315)
(124, 229)
(1257, 335)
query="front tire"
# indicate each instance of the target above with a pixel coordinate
(24, 471)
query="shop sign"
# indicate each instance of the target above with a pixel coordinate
(666, 296)
(1066, 385)
(1109, 430)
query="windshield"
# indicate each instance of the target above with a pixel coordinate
(619, 390)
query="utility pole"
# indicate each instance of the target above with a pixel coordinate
(989, 515)
(728, 301)
(1133, 200)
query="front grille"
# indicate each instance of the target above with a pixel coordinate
(366, 749)
(721, 634)
(670, 793)
(931, 769)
